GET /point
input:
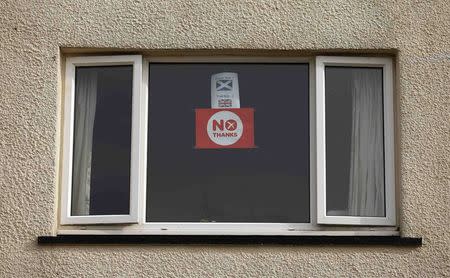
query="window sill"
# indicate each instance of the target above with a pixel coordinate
(238, 240)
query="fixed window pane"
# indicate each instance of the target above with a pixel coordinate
(354, 141)
(269, 183)
(102, 141)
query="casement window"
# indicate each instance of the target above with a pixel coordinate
(355, 154)
(221, 145)
(102, 140)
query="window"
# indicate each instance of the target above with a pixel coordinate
(264, 183)
(355, 141)
(101, 140)
(227, 145)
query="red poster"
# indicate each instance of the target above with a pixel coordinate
(224, 128)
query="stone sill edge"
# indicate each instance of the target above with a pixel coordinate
(227, 239)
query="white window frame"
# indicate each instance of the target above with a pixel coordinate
(136, 173)
(238, 228)
(388, 119)
(137, 219)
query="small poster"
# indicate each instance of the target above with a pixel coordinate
(225, 90)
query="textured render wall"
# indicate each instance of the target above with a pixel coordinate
(32, 32)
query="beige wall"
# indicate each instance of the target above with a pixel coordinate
(33, 32)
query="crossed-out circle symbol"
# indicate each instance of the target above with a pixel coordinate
(232, 125)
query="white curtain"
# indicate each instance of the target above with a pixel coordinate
(366, 194)
(86, 100)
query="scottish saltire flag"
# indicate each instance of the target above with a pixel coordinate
(224, 85)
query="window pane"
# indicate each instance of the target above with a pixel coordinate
(354, 141)
(102, 141)
(269, 183)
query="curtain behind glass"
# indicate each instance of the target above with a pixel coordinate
(85, 106)
(354, 141)
(366, 192)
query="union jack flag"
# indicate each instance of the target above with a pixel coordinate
(225, 103)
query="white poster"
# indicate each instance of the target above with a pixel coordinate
(225, 90)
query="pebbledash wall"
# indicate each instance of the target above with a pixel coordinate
(35, 36)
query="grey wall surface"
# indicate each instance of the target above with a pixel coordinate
(35, 36)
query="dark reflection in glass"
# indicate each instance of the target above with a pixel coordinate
(267, 184)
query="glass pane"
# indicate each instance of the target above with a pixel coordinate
(102, 141)
(269, 183)
(354, 141)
